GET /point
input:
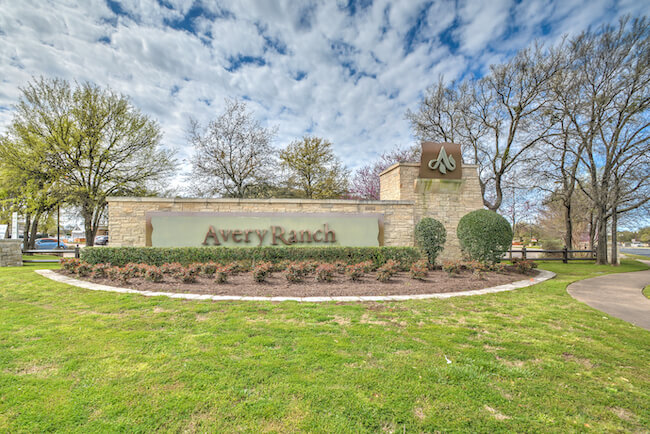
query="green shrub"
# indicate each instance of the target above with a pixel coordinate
(484, 235)
(430, 236)
(419, 270)
(295, 272)
(261, 271)
(325, 272)
(153, 273)
(221, 275)
(452, 268)
(388, 270)
(355, 271)
(251, 255)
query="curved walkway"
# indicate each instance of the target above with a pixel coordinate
(617, 294)
(541, 276)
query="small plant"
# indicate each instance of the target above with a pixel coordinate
(99, 271)
(84, 269)
(187, 275)
(261, 271)
(153, 274)
(134, 270)
(355, 272)
(525, 267)
(325, 272)
(124, 274)
(195, 269)
(368, 266)
(113, 273)
(221, 274)
(419, 270)
(295, 272)
(452, 268)
(171, 269)
(388, 270)
(209, 268)
(70, 264)
(500, 267)
(340, 266)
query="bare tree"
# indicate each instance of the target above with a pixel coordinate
(608, 112)
(365, 182)
(497, 116)
(233, 154)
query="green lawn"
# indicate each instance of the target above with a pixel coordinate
(37, 256)
(528, 360)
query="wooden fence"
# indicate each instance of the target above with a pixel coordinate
(567, 255)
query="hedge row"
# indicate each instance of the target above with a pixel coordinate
(120, 256)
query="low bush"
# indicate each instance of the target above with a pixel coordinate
(430, 236)
(388, 270)
(153, 273)
(186, 275)
(223, 255)
(452, 268)
(355, 272)
(524, 266)
(134, 270)
(113, 273)
(500, 267)
(340, 266)
(84, 269)
(99, 271)
(171, 268)
(419, 270)
(295, 272)
(484, 235)
(325, 272)
(70, 264)
(261, 271)
(221, 274)
(208, 269)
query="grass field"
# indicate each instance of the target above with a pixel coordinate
(528, 360)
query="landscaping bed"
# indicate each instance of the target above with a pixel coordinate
(300, 279)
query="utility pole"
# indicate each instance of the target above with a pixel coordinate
(58, 226)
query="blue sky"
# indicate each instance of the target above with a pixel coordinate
(343, 70)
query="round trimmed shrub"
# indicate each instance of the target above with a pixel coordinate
(430, 236)
(484, 235)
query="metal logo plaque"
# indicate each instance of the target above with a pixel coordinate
(441, 161)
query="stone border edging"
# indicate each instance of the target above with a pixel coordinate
(542, 276)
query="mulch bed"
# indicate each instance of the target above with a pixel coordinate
(277, 285)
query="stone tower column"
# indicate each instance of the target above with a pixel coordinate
(441, 197)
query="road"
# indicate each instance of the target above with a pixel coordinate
(636, 251)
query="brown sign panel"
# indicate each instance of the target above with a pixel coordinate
(441, 161)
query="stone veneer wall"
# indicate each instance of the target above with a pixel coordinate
(443, 200)
(405, 199)
(126, 215)
(10, 253)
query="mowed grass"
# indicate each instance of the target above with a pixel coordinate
(527, 360)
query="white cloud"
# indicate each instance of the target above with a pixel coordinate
(357, 77)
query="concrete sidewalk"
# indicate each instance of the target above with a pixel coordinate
(618, 295)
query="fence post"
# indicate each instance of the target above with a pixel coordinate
(565, 255)
(523, 253)
(76, 252)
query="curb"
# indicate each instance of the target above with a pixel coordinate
(541, 277)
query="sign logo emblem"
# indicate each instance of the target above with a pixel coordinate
(443, 163)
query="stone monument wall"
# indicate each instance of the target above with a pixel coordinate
(10, 253)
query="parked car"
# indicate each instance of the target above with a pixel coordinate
(49, 244)
(101, 240)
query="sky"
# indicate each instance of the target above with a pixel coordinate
(346, 71)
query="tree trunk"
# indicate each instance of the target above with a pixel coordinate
(33, 231)
(568, 226)
(28, 223)
(592, 230)
(601, 248)
(614, 240)
(89, 229)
